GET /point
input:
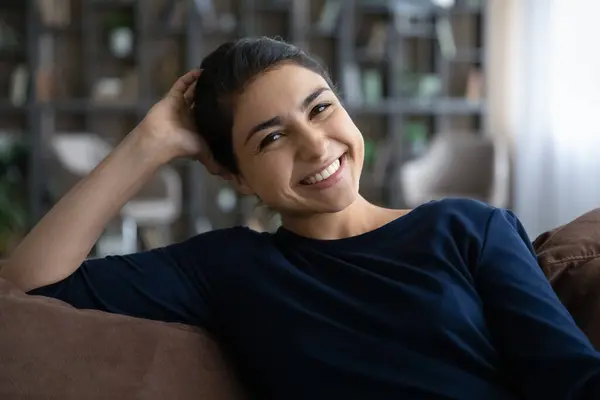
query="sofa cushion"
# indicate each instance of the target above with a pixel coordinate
(570, 258)
(50, 350)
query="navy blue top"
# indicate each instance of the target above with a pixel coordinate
(446, 302)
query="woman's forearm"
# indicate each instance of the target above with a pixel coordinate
(60, 242)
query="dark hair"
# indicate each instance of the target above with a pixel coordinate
(225, 73)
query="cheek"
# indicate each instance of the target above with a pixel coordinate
(269, 174)
(348, 132)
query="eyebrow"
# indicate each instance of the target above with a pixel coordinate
(276, 121)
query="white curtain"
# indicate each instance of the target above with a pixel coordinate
(556, 112)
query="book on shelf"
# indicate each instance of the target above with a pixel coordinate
(351, 81)
(372, 86)
(208, 15)
(176, 12)
(330, 15)
(445, 36)
(475, 84)
(55, 13)
(18, 85)
(377, 41)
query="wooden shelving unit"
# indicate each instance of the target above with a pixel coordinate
(407, 70)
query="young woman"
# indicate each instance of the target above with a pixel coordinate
(347, 300)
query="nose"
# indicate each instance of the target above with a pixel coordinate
(312, 142)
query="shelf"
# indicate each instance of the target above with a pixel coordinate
(274, 6)
(422, 7)
(82, 43)
(91, 107)
(13, 55)
(112, 3)
(8, 106)
(436, 106)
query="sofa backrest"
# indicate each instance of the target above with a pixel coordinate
(570, 258)
(50, 350)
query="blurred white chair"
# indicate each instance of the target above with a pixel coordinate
(157, 205)
(459, 165)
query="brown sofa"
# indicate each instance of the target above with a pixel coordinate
(49, 350)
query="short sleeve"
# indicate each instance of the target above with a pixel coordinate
(166, 284)
(544, 350)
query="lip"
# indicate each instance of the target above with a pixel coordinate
(332, 179)
(325, 165)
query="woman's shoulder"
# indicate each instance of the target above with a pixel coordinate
(456, 207)
(221, 249)
(460, 217)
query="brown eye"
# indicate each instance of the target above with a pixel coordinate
(270, 138)
(318, 109)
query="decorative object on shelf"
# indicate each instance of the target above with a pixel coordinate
(131, 86)
(9, 38)
(18, 85)
(352, 84)
(474, 89)
(408, 15)
(445, 35)
(117, 89)
(45, 80)
(107, 89)
(228, 23)
(416, 136)
(372, 86)
(55, 13)
(14, 219)
(176, 12)
(213, 23)
(407, 83)
(208, 15)
(377, 42)
(429, 86)
(330, 15)
(474, 4)
(168, 66)
(444, 3)
(120, 33)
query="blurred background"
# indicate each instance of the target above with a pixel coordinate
(488, 99)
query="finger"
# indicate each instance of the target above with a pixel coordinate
(183, 83)
(189, 94)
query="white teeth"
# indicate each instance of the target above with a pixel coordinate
(326, 173)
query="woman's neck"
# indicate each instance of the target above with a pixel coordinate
(358, 218)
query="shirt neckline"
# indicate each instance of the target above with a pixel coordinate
(351, 241)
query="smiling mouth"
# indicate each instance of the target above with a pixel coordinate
(325, 174)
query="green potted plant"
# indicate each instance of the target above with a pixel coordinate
(119, 28)
(14, 219)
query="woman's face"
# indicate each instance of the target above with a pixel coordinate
(297, 148)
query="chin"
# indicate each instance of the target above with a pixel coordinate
(335, 204)
(312, 207)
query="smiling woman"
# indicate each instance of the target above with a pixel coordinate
(277, 115)
(347, 300)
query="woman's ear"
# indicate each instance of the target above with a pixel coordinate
(240, 185)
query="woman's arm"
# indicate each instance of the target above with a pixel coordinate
(543, 349)
(59, 243)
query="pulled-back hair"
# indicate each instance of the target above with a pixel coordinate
(225, 73)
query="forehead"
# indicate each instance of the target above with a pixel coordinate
(274, 93)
